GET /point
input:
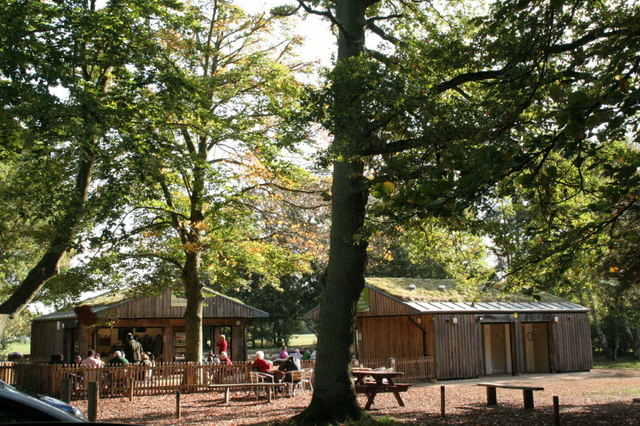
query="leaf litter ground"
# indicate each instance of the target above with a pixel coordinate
(597, 397)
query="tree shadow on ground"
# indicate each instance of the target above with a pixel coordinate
(479, 414)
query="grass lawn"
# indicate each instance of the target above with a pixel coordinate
(298, 341)
(301, 340)
(622, 363)
(23, 348)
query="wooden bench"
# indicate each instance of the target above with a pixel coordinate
(372, 389)
(227, 387)
(527, 393)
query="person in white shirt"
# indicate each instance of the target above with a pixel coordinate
(91, 360)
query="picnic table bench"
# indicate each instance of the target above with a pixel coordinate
(373, 382)
(527, 393)
(227, 387)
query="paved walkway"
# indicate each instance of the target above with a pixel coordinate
(603, 373)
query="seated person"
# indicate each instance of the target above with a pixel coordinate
(287, 366)
(262, 366)
(118, 359)
(283, 353)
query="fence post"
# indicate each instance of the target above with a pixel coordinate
(178, 405)
(92, 401)
(442, 401)
(556, 410)
(131, 385)
(65, 390)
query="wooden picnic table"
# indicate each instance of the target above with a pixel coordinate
(373, 382)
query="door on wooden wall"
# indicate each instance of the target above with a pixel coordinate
(496, 342)
(70, 344)
(535, 342)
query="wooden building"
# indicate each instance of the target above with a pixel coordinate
(102, 323)
(404, 318)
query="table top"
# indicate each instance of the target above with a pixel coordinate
(373, 373)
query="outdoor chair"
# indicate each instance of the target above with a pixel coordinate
(258, 377)
(307, 379)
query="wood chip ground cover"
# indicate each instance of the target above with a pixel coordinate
(597, 397)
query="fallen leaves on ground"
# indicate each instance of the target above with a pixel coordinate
(595, 397)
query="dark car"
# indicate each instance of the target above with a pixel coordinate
(7, 392)
(18, 407)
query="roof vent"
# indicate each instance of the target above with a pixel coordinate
(411, 287)
(442, 287)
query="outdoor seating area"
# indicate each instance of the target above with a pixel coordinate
(141, 380)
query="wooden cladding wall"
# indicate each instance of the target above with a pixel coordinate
(456, 346)
(572, 339)
(383, 304)
(160, 307)
(394, 337)
(46, 339)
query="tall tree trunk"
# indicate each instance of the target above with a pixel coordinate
(634, 340)
(65, 231)
(195, 300)
(595, 320)
(334, 398)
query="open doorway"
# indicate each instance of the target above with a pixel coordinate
(535, 342)
(496, 342)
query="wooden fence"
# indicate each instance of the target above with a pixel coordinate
(170, 377)
(127, 380)
(415, 369)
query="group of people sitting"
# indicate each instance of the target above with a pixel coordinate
(303, 354)
(134, 355)
(280, 369)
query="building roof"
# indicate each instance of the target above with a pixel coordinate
(103, 303)
(495, 307)
(443, 296)
(446, 290)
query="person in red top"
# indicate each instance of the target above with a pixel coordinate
(222, 344)
(259, 364)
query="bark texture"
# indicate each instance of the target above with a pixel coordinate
(334, 397)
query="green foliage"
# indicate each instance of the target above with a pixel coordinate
(17, 330)
(287, 303)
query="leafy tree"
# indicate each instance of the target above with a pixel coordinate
(213, 187)
(454, 105)
(68, 72)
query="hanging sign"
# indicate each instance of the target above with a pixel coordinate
(363, 302)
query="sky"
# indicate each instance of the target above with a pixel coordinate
(319, 42)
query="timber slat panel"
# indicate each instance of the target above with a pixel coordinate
(573, 343)
(456, 348)
(160, 307)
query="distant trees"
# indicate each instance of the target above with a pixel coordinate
(286, 303)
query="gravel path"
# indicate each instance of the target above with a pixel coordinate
(594, 398)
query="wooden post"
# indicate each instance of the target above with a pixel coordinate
(442, 401)
(556, 410)
(65, 390)
(131, 383)
(527, 396)
(178, 405)
(93, 399)
(491, 396)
